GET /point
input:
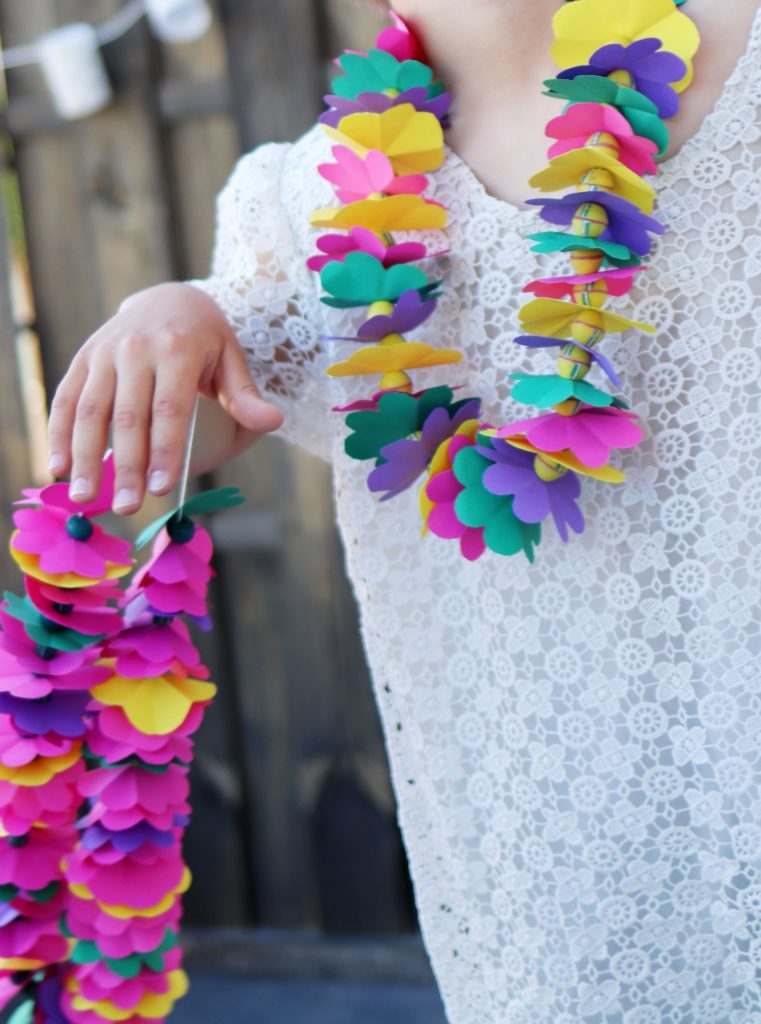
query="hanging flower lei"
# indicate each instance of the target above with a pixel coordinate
(623, 63)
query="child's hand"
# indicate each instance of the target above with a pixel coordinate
(141, 372)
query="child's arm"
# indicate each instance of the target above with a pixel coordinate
(140, 373)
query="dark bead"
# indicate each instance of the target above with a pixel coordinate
(79, 528)
(181, 529)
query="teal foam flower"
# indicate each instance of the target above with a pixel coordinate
(475, 507)
(562, 241)
(377, 72)
(549, 389)
(361, 279)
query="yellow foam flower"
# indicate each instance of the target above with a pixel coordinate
(393, 213)
(438, 464)
(553, 317)
(410, 355)
(123, 913)
(29, 564)
(41, 770)
(151, 1006)
(412, 140)
(566, 170)
(609, 474)
(157, 705)
(584, 26)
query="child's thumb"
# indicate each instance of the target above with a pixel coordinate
(239, 395)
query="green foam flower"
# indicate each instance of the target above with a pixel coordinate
(397, 415)
(476, 507)
(641, 113)
(377, 72)
(360, 279)
(549, 389)
(562, 241)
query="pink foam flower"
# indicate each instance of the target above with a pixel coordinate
(590, 434)
(176, 579)
(57, 495)
(618, 282)
(33, 861)
(144, 876)
(355, 177)
(30, 939)
(153, 648)
(97, 982)
(128, 795)
(18, 749)
(119, 937)
(68, 543)
(358, 239)
(113, 737)
(400, 40)
(27, 672)
(84, 610)
(442, 490)
(573, 128)
(54, 803)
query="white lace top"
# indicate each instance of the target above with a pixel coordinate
(575, 744)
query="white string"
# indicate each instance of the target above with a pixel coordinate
(186, 458)
(113, 28)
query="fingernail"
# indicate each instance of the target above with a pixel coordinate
(55, 465)
(79, 488)
(124, 498)
(157, 480)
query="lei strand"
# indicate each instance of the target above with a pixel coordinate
(493, 487)
(101, 689)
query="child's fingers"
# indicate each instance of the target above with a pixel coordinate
(90, 433)
(130, 431)
(239, 395)
(62, 412)
(173, 402)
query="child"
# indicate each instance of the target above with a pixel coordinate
(574, 743)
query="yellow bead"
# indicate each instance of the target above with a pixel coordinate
(396, 380)
(622, 77)
(589, 220)
(573, 363)
(587, 327)
(586, 261)
(604, 140)
(392, 339)
(568, 408)
(596, 177)
(593, 294)
(548, 470)
(380, 308)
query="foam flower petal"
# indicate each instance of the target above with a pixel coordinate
(385, 358)
(155, 706)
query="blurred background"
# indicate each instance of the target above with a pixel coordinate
(294, 836)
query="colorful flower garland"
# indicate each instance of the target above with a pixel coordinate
(493, 487)
(100, 691)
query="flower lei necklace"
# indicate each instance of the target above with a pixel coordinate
(623, 63)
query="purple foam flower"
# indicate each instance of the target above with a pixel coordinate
(410, 311)
(627, 224)
(651, 68)
(540, 341)
(406, 459)
(61, 713)
(534, 499)
(377, 103)
(128, 839)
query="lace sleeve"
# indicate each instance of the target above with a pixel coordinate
(260, 280)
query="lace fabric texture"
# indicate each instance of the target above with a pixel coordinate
(575, 745)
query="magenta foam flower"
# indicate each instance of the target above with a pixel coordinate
(17, 749)
(68, 543)
(153, 648)
(34, 862)
(114, 738)
(590, 434)
(335, 247)
(54, 803)
(85, 609)
(146, 874)
(126, 796)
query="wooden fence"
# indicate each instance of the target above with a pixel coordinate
(295, 822)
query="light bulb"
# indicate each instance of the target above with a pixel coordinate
(178, 21)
